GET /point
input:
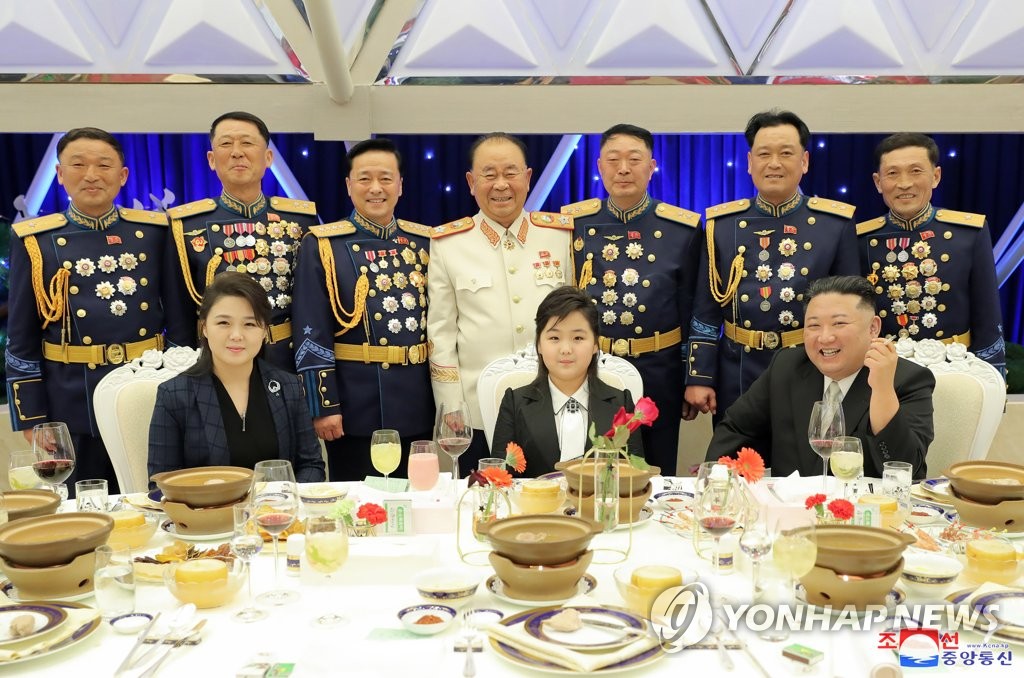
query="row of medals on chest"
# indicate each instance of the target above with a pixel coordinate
(380, 262)
(241, 245)
(909, 295)
(629, 277)
(108, 264)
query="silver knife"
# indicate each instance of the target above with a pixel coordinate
(151, 671)
(126, 664)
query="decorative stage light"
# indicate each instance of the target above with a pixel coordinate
(305, 153)
(842, 189)
(952, 153)
(447, 188)
(429, 155)
(728, 163)
(597, 177)
(821, 144)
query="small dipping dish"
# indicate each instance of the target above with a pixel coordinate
(414, 619)
(481, 617)
(130, 624)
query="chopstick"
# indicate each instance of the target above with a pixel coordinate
(127, 663)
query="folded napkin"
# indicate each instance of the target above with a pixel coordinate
(584, 662)
(393, 484)
(77, 617)
(794, 488)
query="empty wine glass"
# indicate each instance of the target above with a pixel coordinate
(826, 424)
(453, 431)
(755, 541)
(385, 452)
(55, 453)
(246, 543)
(326, 552)
(275, 499)
(847, 460)
(719, 508)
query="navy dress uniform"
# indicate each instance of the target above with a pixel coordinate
(360, 320)
(85, 297)
(935, 278)
(260, 238)
(758, 261)
(640, 266)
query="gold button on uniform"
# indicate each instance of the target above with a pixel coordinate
(519, 329)
(73, 289)
(743, 223)
(942, 308)
(142, 332)
(873, 242)
(516, 299)
(657, 234)
(741, 249)
(592, 231)
(384, 341)
(144, 306)
(650, 258)
(939, 333)
(512, 270)
(142, 256)
(882, 313)
(143, 281)
(218, 250)
(804, 271)
(807, 246)
(385, 366)
(62, 241)
(810, 220)
(372, 293)
(744, 297)
(355, 248)
(86, 340)
(641, 308)
(947, 235)
(215, 228)
(746, 323)
(377, 316)
(638, 329)
(945, 257)
(646, 283)
(68, 265)
(80, 313)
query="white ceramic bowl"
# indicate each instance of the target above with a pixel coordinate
(924, 515)
(410, 615)
(929, 573)
(319, 499)
(447, 586)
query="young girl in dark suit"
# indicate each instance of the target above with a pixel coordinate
(550, 417)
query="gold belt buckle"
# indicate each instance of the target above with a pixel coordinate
(620, 347)
(416, 355)
(770, 340)
(115, 353)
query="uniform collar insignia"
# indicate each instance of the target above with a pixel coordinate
(250, 210)
(922, 217)
(780, 210)
(625, 216)
(382, 232)
(100, 223)
(495, 234)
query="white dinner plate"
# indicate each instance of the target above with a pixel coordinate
(169, 527)
(591, 637)
(1010, 633)
(44, 617)
(497, 588)
(83, 632)
(8, 589)
(892, 599)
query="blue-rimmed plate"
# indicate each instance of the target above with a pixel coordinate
(1007, 608)
(586, 584)
(80, 634)
(1011, 634)
(43, 618)
(554, 475)
(8, 588)
(523, 659)
(674, 500)
(892, 600)
(608, 629)
(646, 513)
(170, 528)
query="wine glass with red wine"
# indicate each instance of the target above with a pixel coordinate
(454, 431)
(55, 454)
(826, 425)
(275, 501)
(720, 508)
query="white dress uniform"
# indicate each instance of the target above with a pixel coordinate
(484, 286)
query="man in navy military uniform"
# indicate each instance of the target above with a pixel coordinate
(933, 269)
(241, 230)
(763, 252)
(639, 263)
(86, 294)
(360, 318)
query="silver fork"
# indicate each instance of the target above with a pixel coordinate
(469, 633)
(151, 671)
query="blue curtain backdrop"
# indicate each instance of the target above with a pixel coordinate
(981, 173)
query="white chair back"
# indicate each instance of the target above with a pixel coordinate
(123, 402)
(520, 368)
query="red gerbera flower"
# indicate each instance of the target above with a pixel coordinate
(498, 477)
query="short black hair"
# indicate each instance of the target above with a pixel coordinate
(775, 118)
(228, 284)
(904, 140)
(245, 117)
(381, 144)
(90, 133)
(495, 136)
(843, 284)
(559, 303)
(628, 130)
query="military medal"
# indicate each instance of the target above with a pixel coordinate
(928, 267)
(786, 271)
(609, 297)
(913, 289)
(417, 279)
(932, 285)
(409, 257)
(383, 282)
(577, 244)
(128, 260)
(903, 254)
(282, 283)
(608, 317)
(394, 258)
(914, 306)
(104, 290)
(898, 308)
(913, 328)
(260, 228)
(294, 230)
(787, 294)
(891, 273)
(262, 247)
(609, 278)
(610, 252)
(198, 244)
(928, 303)
(558, 270)
(909, 270)
(766, 292)
(424, 257)
(371, 257)
(280, 266)
(275, 230)
(629, 299)
(399, 280)
(765, 242)
(895, 291)
(890, 256)
(626, 318)
(929, 320)
(786, 318)
(921, 249)
(382, 255)
(787, 247)
(538, 274)
(763, 273)
(229, 242)
(390, 304)
(634, 250)
(408, 301)
(630, 277)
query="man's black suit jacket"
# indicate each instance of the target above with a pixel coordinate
(772, 417)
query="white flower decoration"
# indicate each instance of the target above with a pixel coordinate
(395, 325)
(629, 299)
(929, 352)
(609, 297)
(128, 261)
(408, 301)
(150, 358)
(126, 285)
(929, 320)
(390, 304)
(118, 307)
(763, 273)
(787, 294)
(283, 300)
(905, 347)
(608, 317)
(630, 277)
(266, 283)
(956, 352)
(179, 358)
(411, 324)
(786, 271)
(85, 267)
(105, 289)
(278, 248)
(107, 263)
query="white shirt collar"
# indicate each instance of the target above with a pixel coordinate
(558, 399)
(844, 384)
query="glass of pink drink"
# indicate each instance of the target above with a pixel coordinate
(423, 465)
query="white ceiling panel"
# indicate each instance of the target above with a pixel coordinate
(38, 37)
(993, 42)
(559, 18)
(114, 16)
(746, 24)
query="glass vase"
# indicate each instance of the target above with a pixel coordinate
(606, 488)
(490, 504)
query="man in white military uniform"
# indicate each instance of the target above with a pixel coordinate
(488, 273)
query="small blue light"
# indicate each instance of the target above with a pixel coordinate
(597, 177)
(952, 153)
(447, 188)
(821, 144)
(842, 189)
(657, 169)
(429, 155)
(728, 163)
(305, 153)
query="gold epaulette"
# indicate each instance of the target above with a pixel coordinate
(584, 208)
(142, 216)
(294, 206)
(677, 214)
(870, 226)
(190, 208)
(840, 209)
(551, 220)
(330, 230)
(414, 228)
(39, 224)
(960, 218)
(727, 208)
(458, 226)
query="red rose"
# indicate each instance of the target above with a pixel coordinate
(621, 418)
(646, 412)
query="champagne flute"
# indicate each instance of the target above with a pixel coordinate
(719, 508)
(326, 552)
(385, 452)
(453, 431)
(275, 498)
(826, 425)
(20, 473)
(795, 548)
(246, 543)
(55, 454)
(423, 466)
(755, 541)
(847, 460)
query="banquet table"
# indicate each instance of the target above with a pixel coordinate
(377, 581)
